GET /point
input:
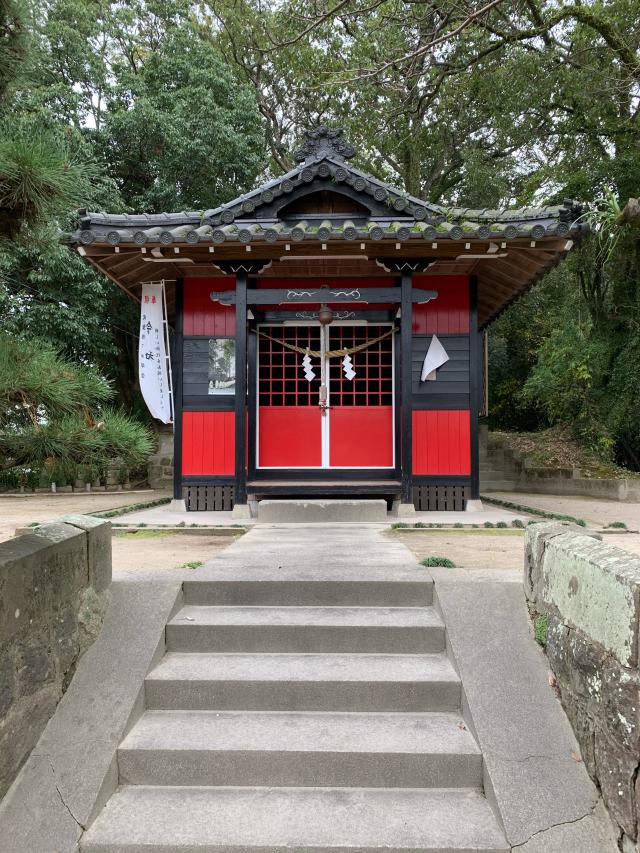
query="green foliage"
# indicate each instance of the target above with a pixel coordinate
(169, 120)
(192, 564)
(618, 524)
(489, 524)
(53, 417)
(502, 524)
(517, 523)
(38, 177)
(444, 562)
(14, 42)
(541, 629)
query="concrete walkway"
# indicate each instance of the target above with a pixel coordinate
(405, 776)
(165, 515)
(595, 511)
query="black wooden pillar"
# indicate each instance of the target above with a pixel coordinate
(176, 375)
(240, 482)
(405, 385)
(475, 363)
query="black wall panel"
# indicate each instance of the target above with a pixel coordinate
(451, 387)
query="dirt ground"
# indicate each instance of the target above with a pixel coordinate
(474, 549)
(155, 551)
(21, 510)
(468, 549)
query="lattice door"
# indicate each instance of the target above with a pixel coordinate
(289, 418)
(361, 409)
(355, 431)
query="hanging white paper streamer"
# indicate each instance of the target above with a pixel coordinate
(308, 370)
(436, 356)
(152, 356)
(347, 367)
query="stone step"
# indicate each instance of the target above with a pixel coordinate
(316, 510)
(306, 629)
(300, 749)
(272, 820)
(303, 682)
(373, 586)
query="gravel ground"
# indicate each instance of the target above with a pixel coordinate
(490, 550)
(21, 510)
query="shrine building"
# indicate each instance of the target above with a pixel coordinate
(329, 330)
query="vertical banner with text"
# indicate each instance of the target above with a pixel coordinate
(153, 364)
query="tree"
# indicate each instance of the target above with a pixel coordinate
(55, 420)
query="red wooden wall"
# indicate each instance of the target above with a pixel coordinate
(449, 313)
(441, 442)
(201, 316)
(208, 443)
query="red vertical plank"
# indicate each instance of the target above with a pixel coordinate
(208, 443)
(202, 316)
(441, 442)
(449, 312)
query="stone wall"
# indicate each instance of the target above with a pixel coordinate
(160, 465)
(54, 586)
(505, 469)
(591, 594)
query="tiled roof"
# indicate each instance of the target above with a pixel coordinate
(394, 214)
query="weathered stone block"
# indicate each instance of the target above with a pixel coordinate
(558, 648)
(53, 584)
(7, 679)
(585, 661)
(583, 726)
(98, 532)
(620, 711)
(591, 593)
(616, 771)
(596, 589)
(535, 541)
(35, 668)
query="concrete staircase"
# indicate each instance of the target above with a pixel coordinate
(301, 709)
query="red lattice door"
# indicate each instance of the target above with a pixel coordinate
(355, 427)
(289, 417)
(361, 409)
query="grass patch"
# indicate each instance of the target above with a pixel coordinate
(517, 523)
(619, 525)
(399, 525)
(140, 534)
(123, 510)
(467, 530)
(502, 524)
(444, 562)
(192, 564)
(541, 629)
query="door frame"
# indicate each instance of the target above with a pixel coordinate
(326, 419)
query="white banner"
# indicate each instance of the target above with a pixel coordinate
(153, 366)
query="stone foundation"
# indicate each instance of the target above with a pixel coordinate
(160, 465)
(591, 595)
(53, 592)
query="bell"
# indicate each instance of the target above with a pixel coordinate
(325, 315)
